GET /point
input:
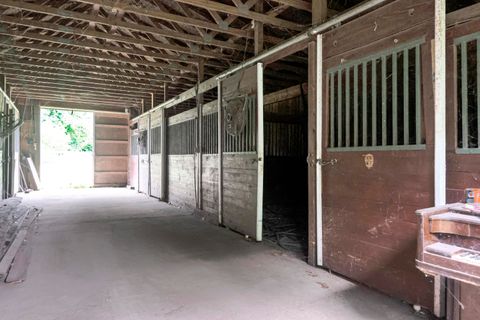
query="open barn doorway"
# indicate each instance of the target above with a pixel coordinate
(66, 149)
(285, 217)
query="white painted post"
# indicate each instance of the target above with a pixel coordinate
(260, 151)
(319, 110)
(164, 159)
(440, 149)
(220, 152)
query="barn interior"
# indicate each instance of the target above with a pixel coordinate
(322, 152)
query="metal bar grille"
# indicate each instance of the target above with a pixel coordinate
(245, 141)
(380, 114)
(156, 140)
(468, 90)
(181, 137)
(210, 133)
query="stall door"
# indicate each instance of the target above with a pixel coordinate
(156, 154)
(144, 154)
(377, 148)
(242, 155)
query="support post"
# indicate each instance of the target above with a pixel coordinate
(260, 151)
(319, 141)
(440, 149)
(258, 29)
(164, 159)
(319, 11)
(220, 152)
(199, 137)
(312, 153)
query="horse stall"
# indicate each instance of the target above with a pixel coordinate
(133, 156)
(376, 160)
(463, 135)
(181, 141)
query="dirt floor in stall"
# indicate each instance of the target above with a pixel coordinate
(116, 254)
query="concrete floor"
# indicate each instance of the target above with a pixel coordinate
(115, 254)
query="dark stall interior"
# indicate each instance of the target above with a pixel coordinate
(285, 220)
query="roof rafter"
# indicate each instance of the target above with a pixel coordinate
(245, 13)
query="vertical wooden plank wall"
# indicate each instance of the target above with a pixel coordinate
(111, 150)
(181, 163)
(370, 228)
(462, 169)
(240, 163)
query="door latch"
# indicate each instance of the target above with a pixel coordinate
(327, 162)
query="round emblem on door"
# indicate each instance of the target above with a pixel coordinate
(369, 160)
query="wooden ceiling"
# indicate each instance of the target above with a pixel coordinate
(117, 53)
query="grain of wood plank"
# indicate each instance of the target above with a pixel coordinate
(11, 252)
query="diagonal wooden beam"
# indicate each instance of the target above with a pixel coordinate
(116, 4)
(55, 80)
(84, 44)
(75, 97)
(59, 65)
(29, 68)
(11, 42)
(194, 51)
(245, 13)
(67, 86)
(297, 4)
(71, 98)
(81, 93)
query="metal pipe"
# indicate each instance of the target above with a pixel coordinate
(304, 36)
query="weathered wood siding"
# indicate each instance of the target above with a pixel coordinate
(369, 223)
(240, 165)
(210, 184)
(181, 180)
(111, 150)
(240, 192)
(462, 169)
(181, 159)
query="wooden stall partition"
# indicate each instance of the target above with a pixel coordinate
(181, 137)
(156, 153)
(377, 156)
(463, 107)
(210, 161)
(242, 152)
(133, 156)
(463, 134)
(144, 154)
(111, 150)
